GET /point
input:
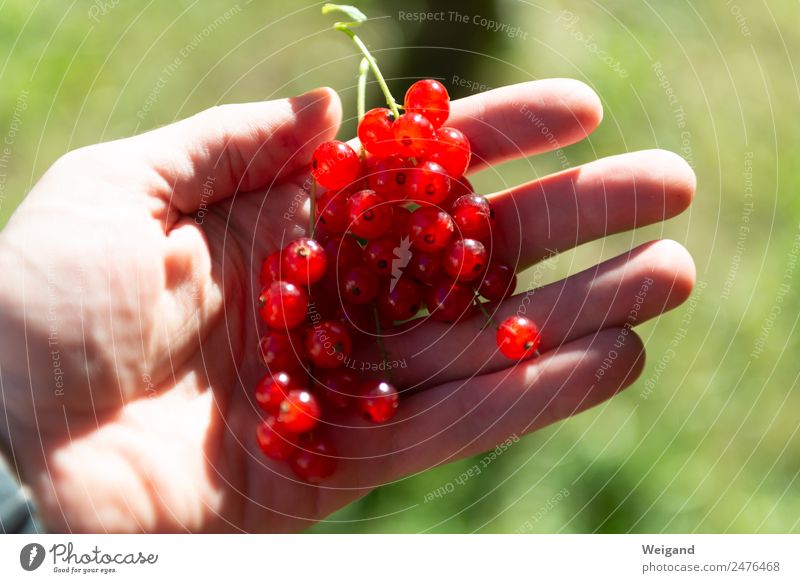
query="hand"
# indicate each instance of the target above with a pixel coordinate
(129, 328)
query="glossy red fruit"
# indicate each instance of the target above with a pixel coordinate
(270, 269)
(304, 262)
(379, 255)
(328, 344)
(465, 259)
(375, 132)
(281, 351)
(283, 305)
(358, 285)
(335, 164)
(369, 214)
(430, 229)
(402, 301)
(458, 188)
(448, 301)
(337, 387)
(518, 337)
(272, 389)
(499, 281)
(451, 151)
(275, 440)
(428, 97)
(473, 217)
(425, 267)
(342, 253)
(314, 460)
(428, 183)
(413, 134)
(389, 177)
(299, 412)
(332, 211)
(401, 216)
(378, 401)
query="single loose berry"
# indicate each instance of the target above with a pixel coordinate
(272, 389)
(283, 305)
(314, 460)
(328, 344)
(448, 301)
(375, 132)
(378, 401)
(379, 255)
(413, 134)
(275, 440)
(369, 214)
(428, 97)
(299, 412)
(473, 217)
(465, 259)
(402, 301)
(430, 229)
(428, 183)
(280, 351)
(304, 261)
(335, 164)
(270, 269)
(498, 282)
(358, 285)
(518, 337)
(451, 150)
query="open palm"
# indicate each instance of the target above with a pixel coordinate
(129, 329)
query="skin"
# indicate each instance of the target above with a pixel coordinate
(127, 356)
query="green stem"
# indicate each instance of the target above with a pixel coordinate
(381, 345)
(486, 314)
(373, 65)
(361, 104)
(312, 208)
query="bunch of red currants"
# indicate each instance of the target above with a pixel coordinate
(395, 229)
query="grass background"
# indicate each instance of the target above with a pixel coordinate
(707, 441)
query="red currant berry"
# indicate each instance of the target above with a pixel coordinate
(389, 177)
(379, 401)
(473, 217)
(375, 131)
(332, 211)
(451, 150)
(370, 216)
(518, 337)
(428, 184)
(280, 351)
(270, 269)
(358, 286)
(335, 164)
(448, 301)
(359, 318)
(465, 259)
(283, 305)
(299, 412)
(425, 267)
(379, 255)
(401, 216)
(430, 229)
(413, 134)
(273, 388)
(336, 387)
(402, 301)
(498, 282)
(314, 460)
(342, 253)
(428, 97)
(275, 440)
(458, 188)
(304, 261)
(328, 344)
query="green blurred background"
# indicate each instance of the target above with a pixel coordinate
(707, 440)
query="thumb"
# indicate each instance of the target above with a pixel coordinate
(239, 147)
